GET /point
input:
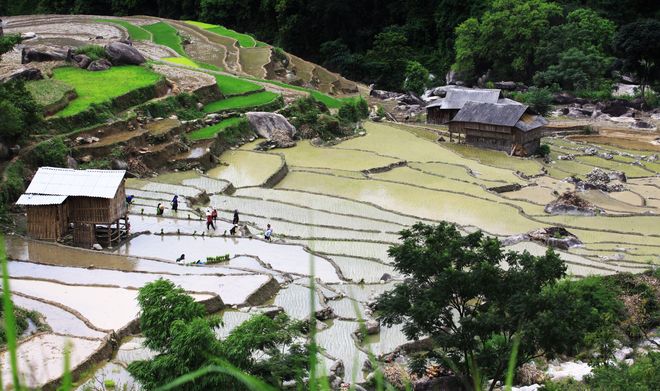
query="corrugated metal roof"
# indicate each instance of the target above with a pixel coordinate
(490, 113)
(456, 98)
(81, 183)
(38, 199)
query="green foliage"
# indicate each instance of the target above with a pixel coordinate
(52, 153)
(313, 118)
(576, 70)
(538, 99)
(175, 326)
(164, 34)
(95, 52)
(638, 44)
(101, 87)
(7, 42)
(18, 111)
(136, 33)
(642, 375)
(47, 91)
(388, 58)
(447, 273)
(14, 183)
(504, 39)
(543, 151)
(230, 85)
(353, 112)
(183, 105)
(417, 77)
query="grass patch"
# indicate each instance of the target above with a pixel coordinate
(240, 102)
(230, 85)
(136, 33)
(211, 131)
(47, 91)
(330, 101)
(166, 35)
(244, 40)
(100, 87)
(181, 61)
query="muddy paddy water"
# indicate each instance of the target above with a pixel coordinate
(332, 221)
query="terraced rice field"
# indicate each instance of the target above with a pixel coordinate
(100, 87)
(244, 40)
(136, 33)
(230, 85)
(166, 35)
(211, 131)
(181, 61)
(241, 102)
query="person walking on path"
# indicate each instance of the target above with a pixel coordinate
(268, 233)
(235, 219)
(175, 203)
(209, 220)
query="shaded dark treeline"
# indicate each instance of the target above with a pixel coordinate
(368, 40)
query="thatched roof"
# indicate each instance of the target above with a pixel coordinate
(456, 98)
(499, 114)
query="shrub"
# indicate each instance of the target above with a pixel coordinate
(18, 111)
(50, 153)
(95, 52)
(543, 151)
(14, 183)
(354, 111)
(416, 77)
(538, 99)
(643, 375)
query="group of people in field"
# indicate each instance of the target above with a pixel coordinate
(211, 216)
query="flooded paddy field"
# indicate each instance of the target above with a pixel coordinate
(334, 219)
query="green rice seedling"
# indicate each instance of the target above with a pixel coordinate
(166, 35)
(241, 102)
(136, 33)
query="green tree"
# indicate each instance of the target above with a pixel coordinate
(18, 111)
(51, 153)
(643, 375)
(417, 77)
(504, 39)
(638, 44)
(176, 327)
(388, 58)
(576, 70)
(473, 299)
(7, 42)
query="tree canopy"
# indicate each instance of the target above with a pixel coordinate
(473, 298)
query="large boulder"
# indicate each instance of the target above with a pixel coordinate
(25, 74)
(99, 65)
(81, 60)
(273, 127)
(43, 53)
(122, 54)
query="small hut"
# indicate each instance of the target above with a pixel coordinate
(91, 202)
(509, 127)
(443, 110)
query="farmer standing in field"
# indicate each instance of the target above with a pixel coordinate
(175, 203)
(268, 233)
(209, 219)
(235, 219)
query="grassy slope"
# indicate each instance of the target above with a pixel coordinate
(99, 87)
(211, 131)
(181, 61)
(230, 85)
(47, 91)
(166, 35)
(244, 40)
(238, 102)
(135, 32)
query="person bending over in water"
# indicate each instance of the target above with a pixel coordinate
(268, 233)
(235, 219)
(160, 209)
(181, 259)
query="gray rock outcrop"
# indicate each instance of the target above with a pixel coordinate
(99, 65)
(81, 61)
(25, 74)
(122, 54)
(43, 53)
(273, 127)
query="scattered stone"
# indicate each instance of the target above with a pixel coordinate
(385, 277)
(591, 151)
(381, 94)
(325, 313)
(566, 157)
(642, 125)
(97, 247)
(71, 162)
(86, 159)
(563, 98)
(82, 61)
(557, 237)
(320, 326)
(529, 374)
(273, 127)
(43, 53)
(606, 156)
(372, 326)
(25, 74)
(99, 65)
(122, 54)
(28, 35)
(117, 164)
(570, 203)
(337, 368)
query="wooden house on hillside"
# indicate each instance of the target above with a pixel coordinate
(509, 127)
(90, 202)
(443, 110)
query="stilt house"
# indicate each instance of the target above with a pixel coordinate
(443, 110)
(509, 127)
(92, 203)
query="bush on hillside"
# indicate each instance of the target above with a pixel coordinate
(95, 52)
(18, 111)
(543, 151)
(52, 153)
(538, 99)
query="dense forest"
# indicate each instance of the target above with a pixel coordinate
(567, 44)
